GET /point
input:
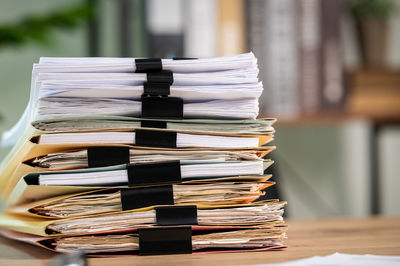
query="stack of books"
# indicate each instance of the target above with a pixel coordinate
(143, 156)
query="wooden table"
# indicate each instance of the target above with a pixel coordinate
(380, 236)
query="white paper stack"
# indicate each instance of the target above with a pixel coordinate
(225, 87)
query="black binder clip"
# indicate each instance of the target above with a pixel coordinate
(165, 240)
(184, 58)
(154, 173)
(176, 215)
(145, 65)
(135, 198)
(155, 100)
(157, 89)
(154, 138)
(107, 156)
(162, 107)
(164, 76)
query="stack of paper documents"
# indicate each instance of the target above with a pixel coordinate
(224, 87)
(142, 156)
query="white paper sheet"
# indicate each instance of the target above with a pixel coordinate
(339, 259)
(115, 64)
(187, 171)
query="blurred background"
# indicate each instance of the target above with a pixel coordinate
(330, 68)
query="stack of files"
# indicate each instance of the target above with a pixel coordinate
(142, 156)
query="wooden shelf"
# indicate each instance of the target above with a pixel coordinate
(373, 95)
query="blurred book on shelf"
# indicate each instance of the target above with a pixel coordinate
(281, 57)
(300, 54)
(165, 33)
(200, 29)
(231, 23)
(310, 78)
(332, 57)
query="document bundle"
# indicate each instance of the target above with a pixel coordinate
(142, 156)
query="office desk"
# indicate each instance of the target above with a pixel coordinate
(380, 236)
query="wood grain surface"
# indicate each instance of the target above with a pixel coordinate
(376, 235)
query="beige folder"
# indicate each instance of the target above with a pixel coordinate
(11, 173)
(276, 233)
(42, 226)
(23, 168)
(24, 193)
(28, 208)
